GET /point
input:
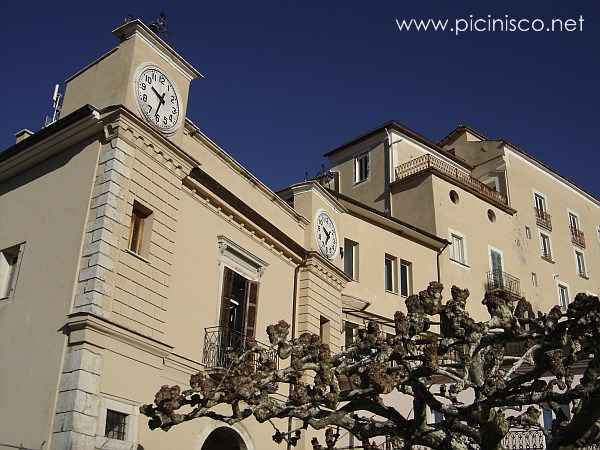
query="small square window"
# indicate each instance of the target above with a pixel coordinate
(140, 229)
(361, 168)
(116, 425)
(9, 268)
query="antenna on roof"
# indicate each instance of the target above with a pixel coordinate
(56, 105)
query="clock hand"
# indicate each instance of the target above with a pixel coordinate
(162, 102)
(161, 99)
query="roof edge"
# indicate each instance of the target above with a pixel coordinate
(407, 131)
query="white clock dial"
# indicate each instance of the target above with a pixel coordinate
(326, 235)
(158, 99)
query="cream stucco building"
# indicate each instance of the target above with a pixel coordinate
(134, 249)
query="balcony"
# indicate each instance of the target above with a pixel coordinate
(577, 237)
(543, 219)
(222, 343)
(524, 440)
(451, 173)
(532, 440)
(498, 281)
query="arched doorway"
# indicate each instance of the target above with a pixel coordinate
(224, 438)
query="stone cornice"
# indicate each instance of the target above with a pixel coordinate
(121, 123)
(194, 133)
(243, 223)
(82, 328)
(79, 325)
(49, 141)
(138, 28)
(324, 269)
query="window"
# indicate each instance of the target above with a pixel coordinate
(391, 268)
(454, 197)
(457, 248)
(350, 332)
(527, 232)
(9, 269)
(581, 269)
(140, 229)
(548, 419)
(546, 246)
(324, 330)
(361, 168)
(493, 183)
(405, 278)
(116, 425)
(351, 258)
(239, 304)
(540, 202)
(534, 279)
(563, 295)
(573, 221)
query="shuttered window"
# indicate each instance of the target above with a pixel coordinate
(252, 308)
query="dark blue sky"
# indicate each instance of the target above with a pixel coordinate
(286, 81)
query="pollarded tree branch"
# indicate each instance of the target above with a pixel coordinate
(462, 372)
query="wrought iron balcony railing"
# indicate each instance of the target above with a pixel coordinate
(464, 178)
(543, 219)
(577, 237)
(503, 282)
(222, 343)
(524, 440)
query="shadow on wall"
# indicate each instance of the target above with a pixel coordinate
(43, 168)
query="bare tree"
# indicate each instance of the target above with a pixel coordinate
(463, 371)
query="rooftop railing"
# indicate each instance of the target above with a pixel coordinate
(464, 178)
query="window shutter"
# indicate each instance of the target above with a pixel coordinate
(252, 307)
(226, 294)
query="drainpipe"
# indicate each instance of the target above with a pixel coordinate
(389, 146)
(294, 301)
(387, 174)
(439, 276)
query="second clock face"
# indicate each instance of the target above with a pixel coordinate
(158, 99)
(326, 235)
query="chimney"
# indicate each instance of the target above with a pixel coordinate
(23, 134)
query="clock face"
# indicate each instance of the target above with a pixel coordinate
(158, 99)
(326, 235)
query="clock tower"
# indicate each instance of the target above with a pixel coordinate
(143, 73)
